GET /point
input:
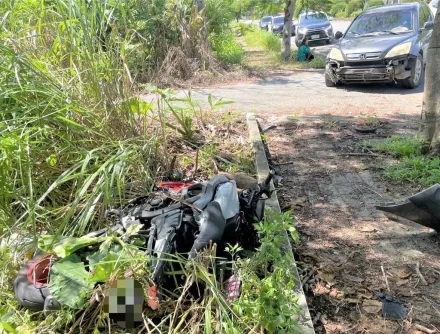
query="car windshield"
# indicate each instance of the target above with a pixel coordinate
(392, 22)
(313, 18)
(266, 19)
(278, 20)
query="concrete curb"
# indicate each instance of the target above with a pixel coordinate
(262, 166)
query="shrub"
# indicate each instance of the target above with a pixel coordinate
(341, 14)
(337, 8)
(226, 48)
(356, 13)
(373, 3)
(317, 62)
(353, 6)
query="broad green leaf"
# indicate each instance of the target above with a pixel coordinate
(70, 282)
(133, 230)
(7, 327)
(64, 246)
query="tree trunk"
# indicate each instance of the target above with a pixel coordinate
(287, 31)
(429, 131)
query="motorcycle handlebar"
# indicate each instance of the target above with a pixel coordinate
(269, 178)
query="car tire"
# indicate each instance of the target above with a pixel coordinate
(417, 72)
(329, 82)
(297, 43)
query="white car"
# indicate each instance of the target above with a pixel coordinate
(433, 5)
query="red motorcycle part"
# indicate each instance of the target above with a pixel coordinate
(175, 186)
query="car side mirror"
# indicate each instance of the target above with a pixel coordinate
(330, 18)
(338, 35)
(428, 25)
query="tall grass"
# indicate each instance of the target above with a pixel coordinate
(265, 40)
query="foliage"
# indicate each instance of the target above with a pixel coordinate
(413, 166)
(396, 146)
(268, 294)
(315, 5)
(356, 13)
(70, 282)
(373, 3)
(317, 62)
(338, 8)
(353, 6)
(415, 169)
(263, 39)
(226, 48)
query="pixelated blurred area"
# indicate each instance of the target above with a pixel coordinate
(123, 302)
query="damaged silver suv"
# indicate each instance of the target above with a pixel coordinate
(383, 44)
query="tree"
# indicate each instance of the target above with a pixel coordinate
(429, 131)
(287, 31)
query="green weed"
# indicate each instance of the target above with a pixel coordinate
(415, 169)
(316, 62)
(396, 146)
(413, 166)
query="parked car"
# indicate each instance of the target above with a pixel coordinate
(314, 26)
(276, 25)
(383, 44)
(264, 22)
(434, 5)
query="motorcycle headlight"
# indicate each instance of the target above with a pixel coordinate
(336, 54)
(399, 50)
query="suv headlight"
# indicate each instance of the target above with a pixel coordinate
(336, 54)
(302, 31)
(399, 50)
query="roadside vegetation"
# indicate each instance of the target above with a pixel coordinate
(75, 140)
(270, 47)
(411, 164)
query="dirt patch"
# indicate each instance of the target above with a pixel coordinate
(353, 251)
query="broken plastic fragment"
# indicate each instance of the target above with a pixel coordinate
(231, 288)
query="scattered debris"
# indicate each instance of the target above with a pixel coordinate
(372, 306)
(284, 163)
(364, 128)
(425, 329)
(231, 288)
(391, 308)
(269, 127)
(385, 277)
(422, 278)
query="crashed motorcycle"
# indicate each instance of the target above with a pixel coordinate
(178, 218)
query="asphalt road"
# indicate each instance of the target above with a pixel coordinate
(303, 93)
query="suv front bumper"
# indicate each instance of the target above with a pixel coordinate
(386, 72)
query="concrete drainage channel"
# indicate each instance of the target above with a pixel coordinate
(262, 166)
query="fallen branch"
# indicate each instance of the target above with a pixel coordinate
(196, 165)
(363, 154)
(422, 278)
(385, 277)
(424, 329)
(284, 163)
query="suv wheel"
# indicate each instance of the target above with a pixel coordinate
(297, 43)
(417, 72)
